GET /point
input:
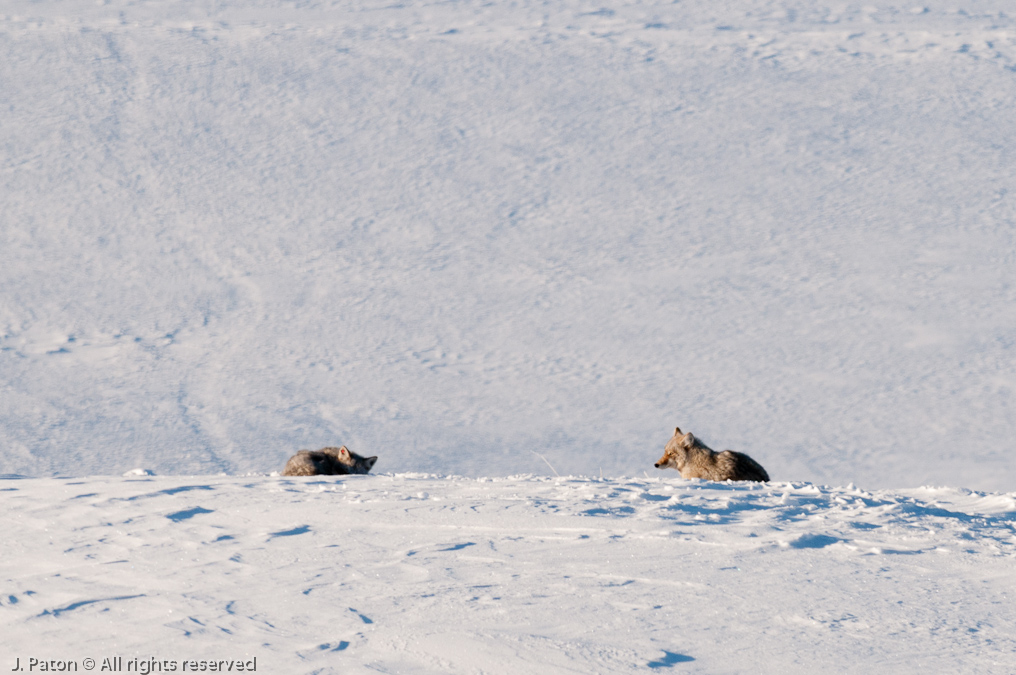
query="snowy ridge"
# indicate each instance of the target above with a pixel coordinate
(416, 573)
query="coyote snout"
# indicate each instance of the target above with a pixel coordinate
(327, 462)
(694, 459)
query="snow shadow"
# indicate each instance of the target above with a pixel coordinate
(84, 603)
(609, 511)
(188, 513)
(302, 529)
(669, 659)
(168, 491)
(813, 541)
(458, 547)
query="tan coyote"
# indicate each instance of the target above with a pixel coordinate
(694, 459)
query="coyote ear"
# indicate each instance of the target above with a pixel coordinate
(688, 440)
(344, 451)
(677, 431)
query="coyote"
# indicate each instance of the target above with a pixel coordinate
(694, 459)
(327, 462)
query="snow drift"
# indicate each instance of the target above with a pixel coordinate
(421, 574)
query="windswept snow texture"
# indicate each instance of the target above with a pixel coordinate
(417, 574)
(495, 238)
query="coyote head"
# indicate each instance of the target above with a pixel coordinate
(354, 463)
(675, 454)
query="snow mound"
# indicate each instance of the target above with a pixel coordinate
(413, 573)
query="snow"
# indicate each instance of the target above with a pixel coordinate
(413, 573)
(448, 233)
(492, 243)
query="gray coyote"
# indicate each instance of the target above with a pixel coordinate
(327, 462)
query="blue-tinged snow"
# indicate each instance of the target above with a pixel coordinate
(411, 573)
(452, 233)
(491, 243)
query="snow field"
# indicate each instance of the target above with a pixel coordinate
(451, 233)
(502, 240)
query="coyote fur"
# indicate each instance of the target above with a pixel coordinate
(694, 459)
(327, 462)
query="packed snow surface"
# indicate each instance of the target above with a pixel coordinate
(492, 242)
(465, 235)
(410, 573)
